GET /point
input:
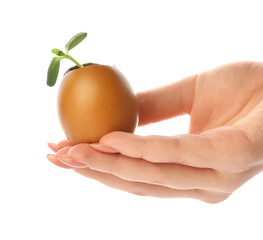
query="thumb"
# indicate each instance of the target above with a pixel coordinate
(166, 102)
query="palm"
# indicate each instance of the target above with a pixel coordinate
(228, 96)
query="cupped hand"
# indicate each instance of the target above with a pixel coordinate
(221, 152)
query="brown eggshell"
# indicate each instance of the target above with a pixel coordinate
(95, 100)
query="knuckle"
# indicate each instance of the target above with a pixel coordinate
(227, 183)
(143, 147)
(160, 176)
(241, 152)
(138, 192)
(214, 197)
(238, 164)
(157, 182)
(217, 199)
(227, 188)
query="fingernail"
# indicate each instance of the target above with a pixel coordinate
(103, 148)
(70, 162)
(51, 157)
(53, 146)
(64, 158)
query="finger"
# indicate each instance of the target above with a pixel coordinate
(166, 102)
(70, 162)
(55, 147)
(61, 156)
(53, 159)
(52, 146)
(188, 149)
(136, 188)
(137, 170)
(224, 149)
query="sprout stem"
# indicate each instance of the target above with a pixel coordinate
(73, 60)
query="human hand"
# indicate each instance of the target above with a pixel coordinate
(221, 152)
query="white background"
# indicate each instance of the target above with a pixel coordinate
(153, 43)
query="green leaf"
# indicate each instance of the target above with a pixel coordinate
(53, 70)
(73, 42)
(58, 52)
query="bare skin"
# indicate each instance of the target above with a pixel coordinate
(221, 152)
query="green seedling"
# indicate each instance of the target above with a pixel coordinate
(53, 69)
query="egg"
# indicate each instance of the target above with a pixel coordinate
(95, 100)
